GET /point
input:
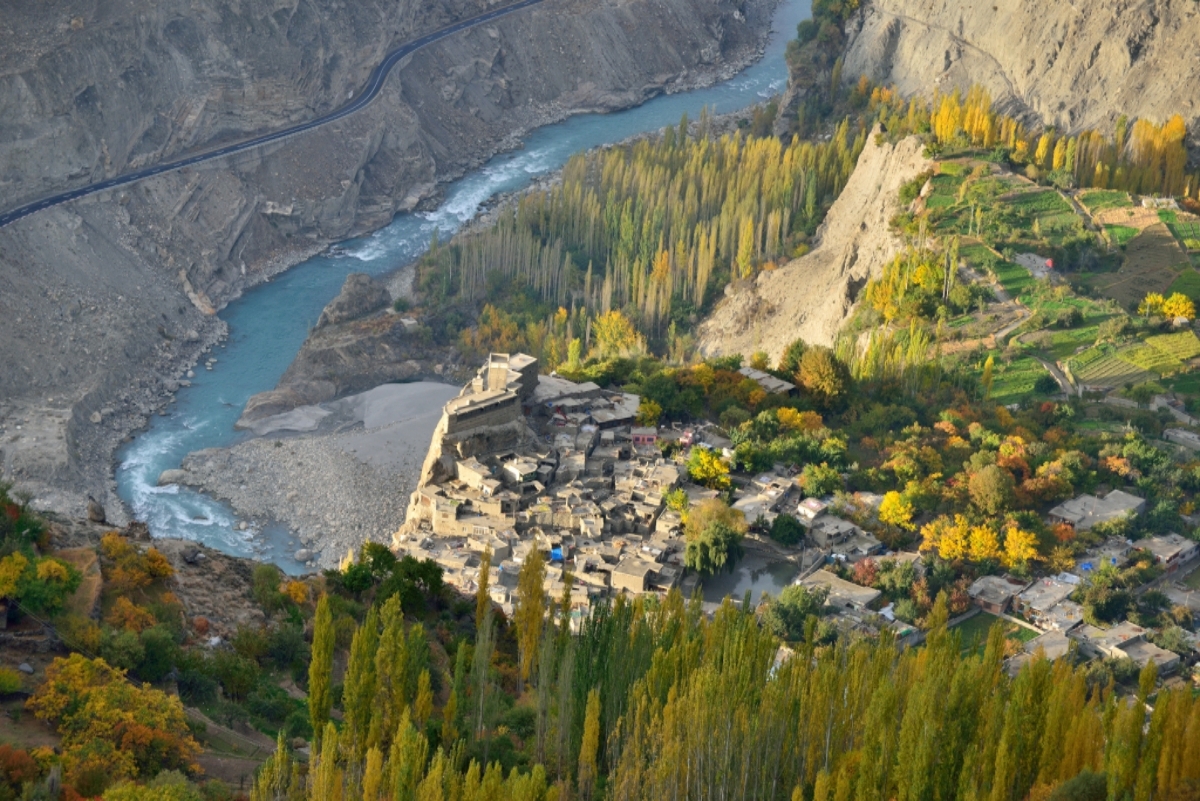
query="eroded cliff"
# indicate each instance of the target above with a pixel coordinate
(810, 297)
(104, 296)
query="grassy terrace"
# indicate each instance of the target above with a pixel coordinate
(974, 631)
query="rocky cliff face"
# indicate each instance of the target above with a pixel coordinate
(102, 297)
(812, 296)
(1074, 65)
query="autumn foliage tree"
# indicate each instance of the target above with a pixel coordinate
(110, 726)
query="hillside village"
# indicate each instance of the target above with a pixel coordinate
(527, 461)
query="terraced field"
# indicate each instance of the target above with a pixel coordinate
(1102, 199)
(1188, 283)
(1100, 367)
(1152, 360)
(1120, 235)
(1182, 346)
(1153, 260)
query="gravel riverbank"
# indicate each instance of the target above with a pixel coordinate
(337, 474)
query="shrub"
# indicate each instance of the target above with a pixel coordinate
(237, 674)
(286, 645)
(266, 587)
(122, 649)
(196, 687)
(786, 530)
(10, 680)
(158, 653)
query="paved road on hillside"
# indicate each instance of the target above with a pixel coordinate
(368, 93)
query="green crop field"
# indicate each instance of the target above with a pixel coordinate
(1102, 199)
(1182, 346)
(1046, 202)
(973, 632)
(1152, 360)
(1106, 370)
(1186, 384)
(1013, 277)
(1120, 234)
(1187, 283)
(1012, 383)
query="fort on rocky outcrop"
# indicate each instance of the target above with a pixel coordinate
(522, 461)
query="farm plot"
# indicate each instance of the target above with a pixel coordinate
(1098, 367)
(1104, 199)
(1014, 278)
(1134, 217)
(1013, 382)
(1187, 283)
(1150, 359)
(1120, 235)
(1153, 260)
(1184, 227)
(1182, 346)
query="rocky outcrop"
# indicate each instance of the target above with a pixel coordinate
(810, 297)
(359, 297)
(1073, 65)
(104, 298)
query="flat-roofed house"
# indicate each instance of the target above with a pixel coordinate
(842, 593)
(1037, 600)
(632, 574)
(994, 593)
(1171, 550)
(769, 383)
(1124, 640)
(1088, 510)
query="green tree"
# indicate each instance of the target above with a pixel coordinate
(787, 615)
(589, 749)
(530, 611)
(320, 669)
(820, 480)
(358, 691)
(789, 361)
(714, 534)
(986, 380)
(992, 489)
(483, 601)
(786, 530)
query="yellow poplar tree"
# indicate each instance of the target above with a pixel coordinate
(530, 610)
(320, 668)
(590, 747)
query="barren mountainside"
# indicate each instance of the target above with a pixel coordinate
(1074, 65)
(103, 297)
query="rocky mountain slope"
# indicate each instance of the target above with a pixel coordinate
(1074, 65)
(810, 297)
(105, 300)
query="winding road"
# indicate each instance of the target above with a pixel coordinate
(369, 92)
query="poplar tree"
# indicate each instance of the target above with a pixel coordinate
(530, 611)
(320, 668)
(589, 749)
(358, 694)
(483, 601)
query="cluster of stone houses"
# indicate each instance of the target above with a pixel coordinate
(1046, 605)
(585, 485)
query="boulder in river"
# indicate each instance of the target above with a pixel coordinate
(303, 555)
(172, 477)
